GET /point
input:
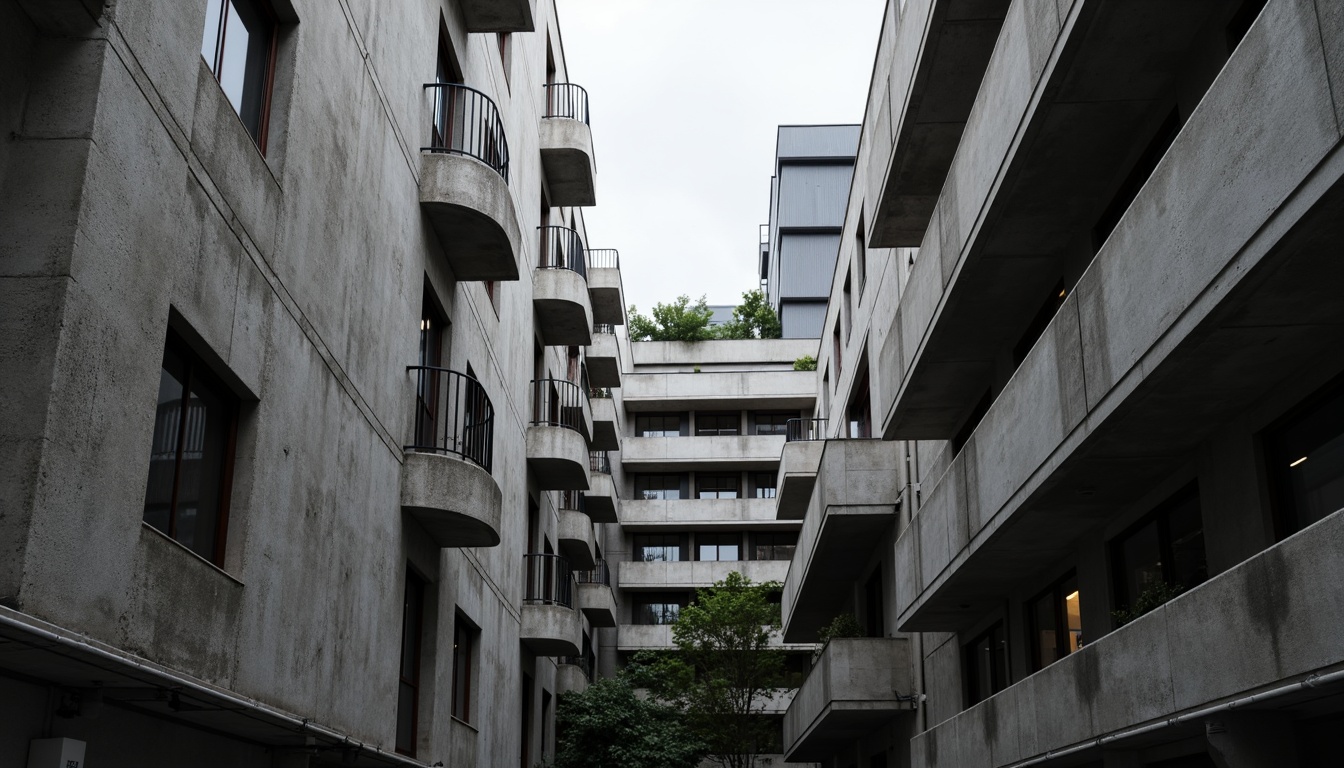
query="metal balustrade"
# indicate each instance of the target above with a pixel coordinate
(557, 403)
(599, 461)
(804, 429)
(604, 258)
(549, 580)
(562, 248)
(466, 122)
(566, 100)
(453, 414)
(599, 575)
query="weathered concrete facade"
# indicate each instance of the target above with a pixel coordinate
(136, 206)
(1092, 369)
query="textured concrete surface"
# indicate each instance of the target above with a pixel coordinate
(567, 157)
(598, 603)
(557, 457)
(551, 630)
(850, 691)
(607, 294)
(456, 502)
(575, 539)
(498, 15)
(560, 304)
(603, 357)
(798, 464)
(471, 210)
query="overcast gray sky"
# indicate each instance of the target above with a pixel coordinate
(686, 96)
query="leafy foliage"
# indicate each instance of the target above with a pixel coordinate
(1152, 597)
(678, 321)
(610, 724)
(805, 363)
(844, 625)
(723, 670)
(754, 318)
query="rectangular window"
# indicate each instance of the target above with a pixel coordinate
(762, 485)
(653, 487)
(774, 545)
(836, 348)
(660, 547)
(718, 424)
(773, 423)
(709, 486)
(873, 602)
(659, 424)
(191, 455)
(238, 44)
(718, 546)
(985, 665)
(860, 255)
(860, 412)
(408, 696)
(1305, 454)
(847, 309)
(464, 641)
(1055, 623)
(658, 608)
(1160, 555)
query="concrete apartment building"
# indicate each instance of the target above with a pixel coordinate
(299, 329)
(813, 166)
(1081, 383)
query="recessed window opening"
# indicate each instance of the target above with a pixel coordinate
(713, 424)
(660, 424)
(660, 547)
(238, 44)
(717, 486)
(762, 485)
(408, 690)
(1054, 622)
(658, 608)
(860, 411)
(718, 546)
(774, 545)
(1160, 556)
(985, 664)
(464, 643)
(1305, 454)
(652, 487)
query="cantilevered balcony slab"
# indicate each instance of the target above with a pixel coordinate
(600, 502)
(852, 690)
(575, 539)
(456, 501)
(604, 359)
(550, 629)
(798, 464)
(675, 454)
(557, 457)
(567, 159)
(666, 515)
(606, 424)
(560, 302)
(853, 509)
(604, 286)
(644, 637)
(497, 15)
(690, 574)
(597, 603)
(470, 208)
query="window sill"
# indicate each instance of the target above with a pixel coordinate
(165, 537)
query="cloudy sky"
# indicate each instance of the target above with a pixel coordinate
(686, 96)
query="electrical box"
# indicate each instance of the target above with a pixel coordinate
(55, 753)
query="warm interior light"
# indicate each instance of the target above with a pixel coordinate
(1062, 292)
(1072, 597)
(1299, 461)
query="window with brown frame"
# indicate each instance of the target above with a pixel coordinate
(464, 640)
(238, 44)
(1055, 623)
(191, 454)
(408, 689)
(985, 665)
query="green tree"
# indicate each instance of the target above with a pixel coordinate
(723, 669)
(754, 318)
(678, 321)
(805, 363)
(609, 725)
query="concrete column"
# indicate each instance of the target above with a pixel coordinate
(1251, 740)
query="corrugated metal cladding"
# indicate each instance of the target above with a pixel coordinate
(806, 264)
(813, 195)
(817, 141)
(802, 320)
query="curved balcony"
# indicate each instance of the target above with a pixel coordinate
(497, 15)
(575, 534)
(551, 626)
(599, 503)
(572, 674)
(604, 286)
(596, 599)
(560, 289)
(567, 146)
(464, 185)
(557, 452)
(446, 483)
(603, 355)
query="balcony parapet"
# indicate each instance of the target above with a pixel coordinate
(606, 423)
(550, 624)
(650, 454)
(604, 286)
(856, 686)
(648, 515)
(798, 464)
(691, 574)
(575, 532)
(557, 453)
(560, 289)
(596, 599)
(567, 146)
(603, 355)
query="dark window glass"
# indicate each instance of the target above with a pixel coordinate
(408, 696)
(774, 545)
(873, 602)
(718, 424)
(660, 547)
(239, 45)
(651, 487)
(191, 456)
(773, 423)
(718, 546)
(985, 665)
(658, 424)
(1163, 552)
(658, 607)
(464, 638)
(762, 485)
(860, 414)
(1054, 621)
(716, 486)
(1306, 462)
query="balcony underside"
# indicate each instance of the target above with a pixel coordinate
(497, 15)
(575, 539)
(598, 604)
(560, 302)
(798, 464)
(851, 691)
(567, 159)
(603, 359)
(456, 502)
(599, 503)
(471, 211)
(604, 290)
(557, 457)
(847, 540)
(551, 630)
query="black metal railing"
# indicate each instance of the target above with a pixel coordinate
(599, 575)
(604, 258)
(549, 580)
(601, 393)
(599, 461)
(566, 100)
(584, 664)
(571, 501)
(453, 415)
(562, 248)
(557, 403)
(466, 122)
(603, 328)
(804, 429)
